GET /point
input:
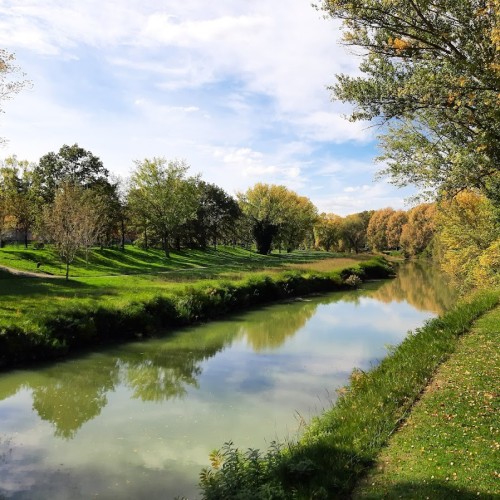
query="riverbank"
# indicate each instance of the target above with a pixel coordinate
(340, 446)
(448, 447)
(44, 319)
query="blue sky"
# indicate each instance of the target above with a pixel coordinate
(237, 88)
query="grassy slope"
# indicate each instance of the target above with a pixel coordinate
(190, 264)
(45, 317)
(149, 273)
(449, 446)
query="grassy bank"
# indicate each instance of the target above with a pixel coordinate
(338, 447)
(148, 273)
(45, 318)
(448, 448)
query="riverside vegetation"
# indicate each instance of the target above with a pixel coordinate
(339, 446)
(448, 447)
(43, 318)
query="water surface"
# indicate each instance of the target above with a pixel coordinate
(139, 421)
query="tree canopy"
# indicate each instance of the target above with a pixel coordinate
(167, 198)
(431, 73)
(277, 214)
(72, 164)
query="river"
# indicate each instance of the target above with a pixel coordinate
(139, 420)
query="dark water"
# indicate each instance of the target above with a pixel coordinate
(139, 421)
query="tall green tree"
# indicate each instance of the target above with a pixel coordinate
(298, 220)
(71, 164)
(277, 215)
(216, 215)
(431, 72)
(165, 196)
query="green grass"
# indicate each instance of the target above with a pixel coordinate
(188, 264)
(146, 273)
(449, 446)
(341, 445)
(41, 317)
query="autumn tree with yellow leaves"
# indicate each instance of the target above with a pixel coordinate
(469, 238)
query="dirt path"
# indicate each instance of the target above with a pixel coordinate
(27, 274)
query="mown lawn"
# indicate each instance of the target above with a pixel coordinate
(449, 447)
(188, 264)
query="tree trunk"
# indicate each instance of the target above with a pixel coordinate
(264, 233)
(67, 271)
(146, 238)
(26, 239)
(166, 246)
(123, 234)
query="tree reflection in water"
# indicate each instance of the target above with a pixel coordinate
(421, 285)
(270, 328)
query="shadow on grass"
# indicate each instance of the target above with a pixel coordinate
(435, 490)
(12, 286)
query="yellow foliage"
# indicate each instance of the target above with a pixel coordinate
(487, 271)
(399, 44)
(469, 236)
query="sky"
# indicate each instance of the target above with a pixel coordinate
(236, 88)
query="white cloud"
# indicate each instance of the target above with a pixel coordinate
(237, 88)
(352, 199)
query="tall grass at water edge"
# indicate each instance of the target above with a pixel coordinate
(338, 447)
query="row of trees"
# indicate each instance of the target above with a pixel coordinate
(378, 230)
(70, 199)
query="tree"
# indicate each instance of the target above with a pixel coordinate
(277, 213)
(164, 196)
(72, 164)
(109, 210)
(69, 222)
(394, 229)
(216, 215)
(376, 232)
(4, 212)
(328, 231)
(418, 232)
(18, 195)
(468, 232)
(432, 72)
(297, 223)
(354, 232)
(12, 80)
